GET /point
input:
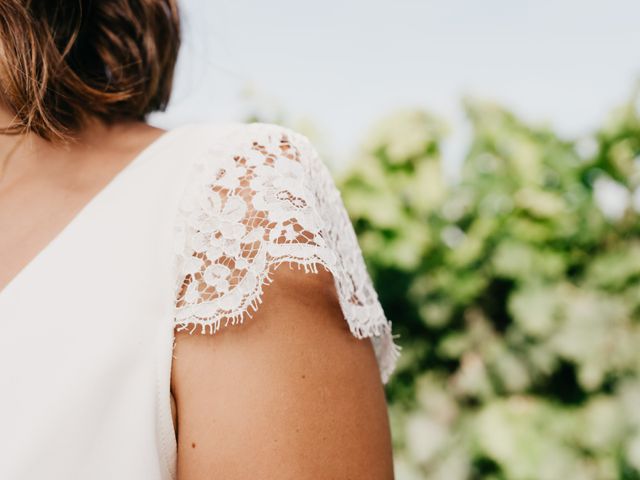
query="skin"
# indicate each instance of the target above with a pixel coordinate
(52, 183)
(289, 393)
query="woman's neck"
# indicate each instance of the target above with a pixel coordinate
(33, 151)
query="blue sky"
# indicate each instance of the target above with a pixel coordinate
(344, 64)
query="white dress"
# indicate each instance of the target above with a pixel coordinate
(183, 237)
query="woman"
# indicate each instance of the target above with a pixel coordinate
(147, 331)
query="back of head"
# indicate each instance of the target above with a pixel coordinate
(62, 62)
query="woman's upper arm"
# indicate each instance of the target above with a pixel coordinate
(289, 394)
(292, 387)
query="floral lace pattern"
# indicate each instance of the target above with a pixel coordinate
(258, 199)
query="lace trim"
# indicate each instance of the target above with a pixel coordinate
(254, 201)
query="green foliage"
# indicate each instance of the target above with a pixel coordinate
(515, 291)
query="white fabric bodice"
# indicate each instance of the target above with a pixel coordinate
(184, 237)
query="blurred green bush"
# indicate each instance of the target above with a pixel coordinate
(515, 291)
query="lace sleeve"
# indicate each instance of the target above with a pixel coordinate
(259, 198)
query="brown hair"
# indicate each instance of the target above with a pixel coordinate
(64, 61)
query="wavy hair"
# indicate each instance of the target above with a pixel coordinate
(64, 61)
